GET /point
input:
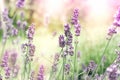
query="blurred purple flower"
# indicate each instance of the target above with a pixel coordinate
(117, 18)
(18, 23)
(7, 72)
(14, 32)
(112, 31)
(24, 25)
(40, 75)
(20, 3)
(5, 15)
(31, 31)
(61, 41)
(13, 58)
(15, 71)
(5, 59)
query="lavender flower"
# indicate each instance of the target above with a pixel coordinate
(20, 3)
(32, 75)
(41, 73)
(13, 58)
(14, 32)
(91, 66)
(15, 71)
(18, 23)
(24, 47)
(31, 31)
(113, 74)
(67, 29)
(31, 49)
(56, 57)
(5, 60)
(67, 68)
(24, 25)
(71, 48)
(75, 17)
(77, 30)
(7, 72)
(54, 67)
(5, 15)
(112, 31)
(117, 19)
(61, 41)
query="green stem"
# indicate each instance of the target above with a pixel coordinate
(75, 58)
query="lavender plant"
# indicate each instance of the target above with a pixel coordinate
(66, 64)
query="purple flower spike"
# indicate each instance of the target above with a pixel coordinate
(5, 60)
(31, 49)
(75, 17)
(112, 31)
(61, 41)
(13, 58)
(41, 73)
(77, 30)
(31, 31)
(67, 68)
(117, 18)
(20, 3)
(14, 32)
(113, 74)
(7, 72)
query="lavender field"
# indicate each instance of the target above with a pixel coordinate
(59, 40)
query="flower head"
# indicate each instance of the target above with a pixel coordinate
(117, 18)
(13, 58)
(75, 17)
(31, 49)
(5, 59)
(20, 3)
(67, 68)
(61, 41)
(31, 31)
(41, 73)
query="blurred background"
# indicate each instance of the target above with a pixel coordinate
(49, 16)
